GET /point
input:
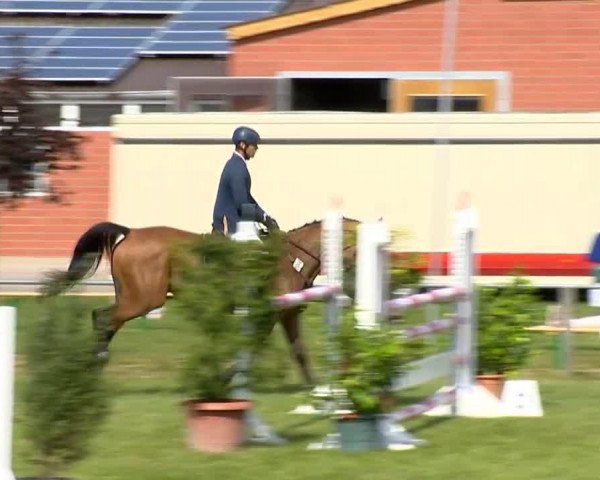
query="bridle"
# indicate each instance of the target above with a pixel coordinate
(310, 278)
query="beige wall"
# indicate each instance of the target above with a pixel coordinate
(530, 198)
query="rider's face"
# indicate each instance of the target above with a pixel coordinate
(251, 151)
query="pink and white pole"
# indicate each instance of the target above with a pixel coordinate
(372, 281)
(8, 326)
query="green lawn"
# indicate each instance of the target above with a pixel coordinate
(143, 437)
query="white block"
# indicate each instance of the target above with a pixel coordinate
(474, 401)
(521, 398)
(371, 273)
(593, 297)
(477, 402)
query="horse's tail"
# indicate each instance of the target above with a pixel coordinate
(91, 246)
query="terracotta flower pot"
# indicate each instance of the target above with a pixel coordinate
(216, 426)
(492, 383)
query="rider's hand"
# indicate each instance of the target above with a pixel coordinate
(271, 223)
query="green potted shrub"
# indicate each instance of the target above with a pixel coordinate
(65, 396)
(366, 364)
(217, 276)
(503, 344)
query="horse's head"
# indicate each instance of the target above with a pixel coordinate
(302, 262)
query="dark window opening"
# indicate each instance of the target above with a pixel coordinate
(340, 94)
(49, 113)
(97, 115)
(154, 107)
(430, 103)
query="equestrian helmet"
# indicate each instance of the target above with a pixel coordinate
(245, 134)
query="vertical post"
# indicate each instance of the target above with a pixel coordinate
(567, 299)
(466, 331)
(372, 273)
(466, 343)
(331, 258)
(332, 239)
(262, 432)
(246, 231)
(8, 316)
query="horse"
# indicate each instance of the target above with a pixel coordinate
(141, 261)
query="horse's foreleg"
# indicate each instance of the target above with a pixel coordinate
(290, 320)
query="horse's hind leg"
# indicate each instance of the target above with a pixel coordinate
(101, 321)
(107, 322)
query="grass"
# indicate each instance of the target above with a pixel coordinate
(144, 436)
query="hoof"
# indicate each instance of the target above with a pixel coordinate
(103, 356)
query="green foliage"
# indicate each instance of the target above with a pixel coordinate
(404, 273)
(65, 396)
(25, 144)
(368, 361)
(503, 344)
(216, 276)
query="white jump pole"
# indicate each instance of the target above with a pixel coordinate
(462, 269)
(371, 273)
(8, 323)
(332, 262)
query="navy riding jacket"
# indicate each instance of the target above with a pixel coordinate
(234, 190)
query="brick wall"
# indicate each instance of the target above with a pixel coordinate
(38, 228)
(549, 47)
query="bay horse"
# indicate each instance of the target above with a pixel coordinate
(141, 268)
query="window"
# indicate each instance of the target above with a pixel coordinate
(154, 107)
(49, 113)
(340, 94)
(459, 103)
(424, 95)
(98, 115)
(37, 182)
(207, 105)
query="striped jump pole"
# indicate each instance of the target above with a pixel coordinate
(373, 307)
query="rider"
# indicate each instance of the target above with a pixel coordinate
(234, 186)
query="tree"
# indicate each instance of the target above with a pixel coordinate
(27, 146)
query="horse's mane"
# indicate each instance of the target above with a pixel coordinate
(314, 222)
(307, 224)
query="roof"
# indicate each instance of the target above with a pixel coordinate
(318, 14)
(73, 40)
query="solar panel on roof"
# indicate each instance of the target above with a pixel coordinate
(232, 6)
(97, 6)
(115, 32)
(46, 6)
(25, 42)
(83, 52)
(195, 36)
(195, 27)
(26, 29)
(131, 6)
(79, 74)
(229, 17)
(183, 47)
(78, 62)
